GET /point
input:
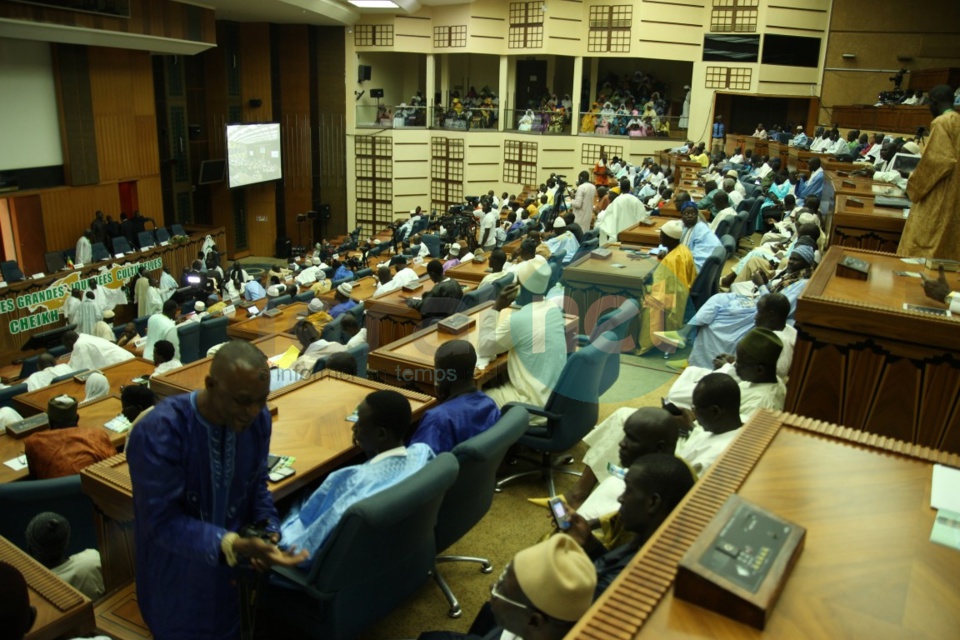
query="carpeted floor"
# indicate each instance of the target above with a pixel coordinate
(511, 524)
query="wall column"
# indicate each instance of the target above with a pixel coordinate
(594, 81)
(445, 79)
(575, 95)
(431, 87)
(502, 91)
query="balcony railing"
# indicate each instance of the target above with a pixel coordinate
(544, 122)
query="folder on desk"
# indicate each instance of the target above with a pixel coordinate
(286, 359)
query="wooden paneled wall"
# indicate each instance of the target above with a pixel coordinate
(329, 126)
(295, 125)
(121, 89)
(67, 212)
(160, 18)
(255, 83)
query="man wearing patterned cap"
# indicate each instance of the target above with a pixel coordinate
(343, 300)
(48, 538)
(666, 302)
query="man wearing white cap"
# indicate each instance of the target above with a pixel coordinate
(103, 329)
(309, 275)
(453, 256)
(666, 302)
(800, 139)
(343, 300)
(563, 240)
(533, 337)
(163, 326)
(199, 312)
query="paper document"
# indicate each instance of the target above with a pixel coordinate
(946, 529)
(17, 464)
(286, 359)
(945, 492)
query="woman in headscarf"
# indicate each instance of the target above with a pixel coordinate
(589, 121)
(526, 121)
(97, 386)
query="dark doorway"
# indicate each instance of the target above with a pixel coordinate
(531, 83)
(743, 112)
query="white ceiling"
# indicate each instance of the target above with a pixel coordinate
(316, 12)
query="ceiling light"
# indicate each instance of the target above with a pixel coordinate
(374, 4)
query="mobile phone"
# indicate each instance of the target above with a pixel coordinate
(281, 474)
(559, 511)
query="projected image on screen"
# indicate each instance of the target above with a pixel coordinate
(253, 153)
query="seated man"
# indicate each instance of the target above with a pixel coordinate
(563, 240)
(104, 327)
(754, 369)
(697, 235)
(464, 411)
(497, 261)
(342, 361)
(533, 337)
(165, 357)
(48, 538)
(716, 407)
(47, 370)
(382, 421)
(622, 213)
(129, 334)
(724, 211)
(65, 449)
(665, 305)
(726, 318)
(343, 300)
(91, 352)
(655, 485)
(316, 348)
(441, 301)
(404, 275)
(772, 256)
(453, 256)
(254, 291)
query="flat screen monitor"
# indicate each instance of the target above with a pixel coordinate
(212, 171)
(253, 153)
(905, 163)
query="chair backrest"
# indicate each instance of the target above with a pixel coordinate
(376, 251)
(591, 234)
(379, 554)
(357, 312)
(189, 334)
(305, 296)
(161, 234)
(21, 501)
(100, 252)
(512, 235)
(484, 293)
(177, 230)
(557, 258)
(120, 245)
(500, 283)
(29, 366)
(54, 261)
(337, 283)
(708, 280)
(66, 376)
(395, 260)
(141, 324)
(469, 499)
(363, 273)
(723, 228)
(331, 331)
(146, 239)
(750, 188)
(729, 245)
(11, 271)
(213, 331)
(432, 241)
(576, 396)
(360, 353)
(739, 228)
(7, 395)
(556, 273)
(279, 300)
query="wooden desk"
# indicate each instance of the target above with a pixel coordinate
(594, 287)
(889, 118)
(241, 314)
(92, 416)
(680, 165)
(389, 318)
(409, 361)
(471, 272)
(264, 325)
(779, 150)
(118, 375)
(648, 234)
(868, 569)
(761, 148)
(191, 377)
(310, 425)
(798, 159)
(859, 224)
(863, 361)
(62, 611)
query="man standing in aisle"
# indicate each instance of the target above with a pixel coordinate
(719, 135)
(198, 465)
(933, 228)
(583, 201)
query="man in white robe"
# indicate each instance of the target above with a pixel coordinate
(47, 370)
(625, 211)
(583, 201)
(163, 326)
(104, 328)
(84, 249)
(88, 315)
(91, 352)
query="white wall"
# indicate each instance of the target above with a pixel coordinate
(29, 126)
